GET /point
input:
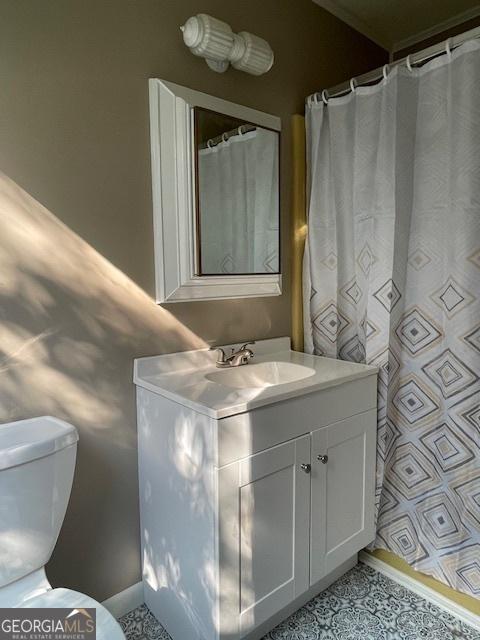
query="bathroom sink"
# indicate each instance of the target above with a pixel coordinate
(261, 375)
(277, 373)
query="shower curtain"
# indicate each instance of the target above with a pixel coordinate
(392, 278)
(238, 183)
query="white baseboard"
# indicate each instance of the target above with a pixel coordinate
(125, 601)
(422, 590)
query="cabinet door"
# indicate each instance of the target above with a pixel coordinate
(269, 549)
(343, 491)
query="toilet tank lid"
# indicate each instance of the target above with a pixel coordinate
(26, 440)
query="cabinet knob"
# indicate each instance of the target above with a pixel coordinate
(322, 459)
(306, 467)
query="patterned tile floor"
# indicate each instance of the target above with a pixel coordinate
(361, 605)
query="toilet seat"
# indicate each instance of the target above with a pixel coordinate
(107, 627)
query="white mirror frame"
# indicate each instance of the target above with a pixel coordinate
(171, 133)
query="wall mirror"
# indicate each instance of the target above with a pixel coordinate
(216, 184)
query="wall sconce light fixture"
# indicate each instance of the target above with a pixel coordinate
(215, 41)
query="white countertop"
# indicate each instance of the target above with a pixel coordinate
(181, 378)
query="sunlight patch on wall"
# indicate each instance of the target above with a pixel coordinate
(70, 322)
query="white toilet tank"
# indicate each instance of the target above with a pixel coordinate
(37, 461)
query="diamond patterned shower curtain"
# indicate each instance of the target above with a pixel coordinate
(392, 278)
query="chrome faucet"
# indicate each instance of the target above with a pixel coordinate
(236, 359)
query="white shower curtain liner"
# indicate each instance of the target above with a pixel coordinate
(392, 278)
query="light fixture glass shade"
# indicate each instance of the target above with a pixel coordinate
(208, 37)
(255, 56)
(214, 40)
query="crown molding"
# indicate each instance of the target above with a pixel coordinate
(450, 23)
(382, 39)
(355, 22)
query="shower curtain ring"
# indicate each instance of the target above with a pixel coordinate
(239, 130)
(325, 96)
(385, 71)
(448, 47)
(353, 85)
(224, 137)
(409, 64)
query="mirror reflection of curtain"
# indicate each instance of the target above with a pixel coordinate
(239, 204)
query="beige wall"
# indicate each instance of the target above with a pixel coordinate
(74, 135)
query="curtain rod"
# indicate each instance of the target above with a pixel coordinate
(409, 61)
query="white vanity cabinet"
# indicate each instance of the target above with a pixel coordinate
(245, 517)
(288, 519)
(343, 492)
(264, 529)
